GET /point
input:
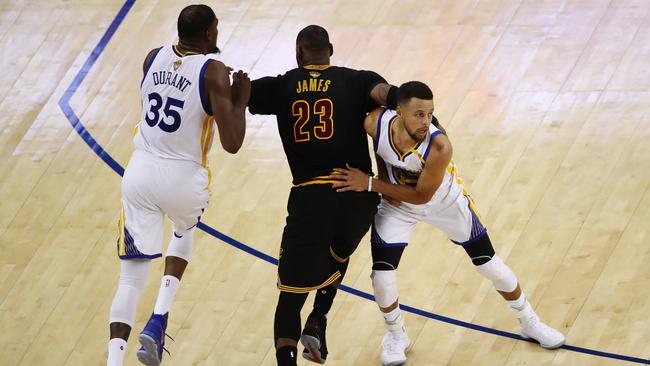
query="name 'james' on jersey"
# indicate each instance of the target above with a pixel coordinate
(176, 116)
(320, 111)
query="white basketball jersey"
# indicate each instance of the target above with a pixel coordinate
(405, 168)
(176, 122)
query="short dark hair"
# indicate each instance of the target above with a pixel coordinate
(194, 20)
(413, 89)
(313, 38)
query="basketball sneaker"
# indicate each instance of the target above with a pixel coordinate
(533, 328)
(152, 339)
(394, 347)
(313, 338)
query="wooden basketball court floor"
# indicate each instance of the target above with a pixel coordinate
(546, 103)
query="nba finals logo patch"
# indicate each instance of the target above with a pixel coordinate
(403, 176)
(177, 64)
(314, 74)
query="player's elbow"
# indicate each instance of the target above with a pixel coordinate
(232, 144)
(419, 198)
(232, 147)
(423, 198)
(231, 150)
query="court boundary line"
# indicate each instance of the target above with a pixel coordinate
(84, 134)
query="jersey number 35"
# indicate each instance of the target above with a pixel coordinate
(172, 115)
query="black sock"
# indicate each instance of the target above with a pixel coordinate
(325, 296)
(286, 356)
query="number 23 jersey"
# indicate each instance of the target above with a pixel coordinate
(177, 120)
(320, 111)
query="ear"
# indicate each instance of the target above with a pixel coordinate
(399, 110)
(299, 53)
(331, 49)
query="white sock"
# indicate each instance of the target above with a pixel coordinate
(394, 320)
(519, 304)
(116, 351)
(168, 287)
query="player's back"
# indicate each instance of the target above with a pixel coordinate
(320, 111)
(176, 122)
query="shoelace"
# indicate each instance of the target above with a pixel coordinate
(165, 349)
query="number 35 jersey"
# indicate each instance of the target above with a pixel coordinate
(177, 120)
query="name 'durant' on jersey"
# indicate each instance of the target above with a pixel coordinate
(170, 78)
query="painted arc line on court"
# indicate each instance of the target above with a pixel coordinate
(64, 104)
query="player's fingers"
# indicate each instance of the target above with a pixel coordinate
(340, 185)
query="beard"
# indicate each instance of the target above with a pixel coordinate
(415, 136)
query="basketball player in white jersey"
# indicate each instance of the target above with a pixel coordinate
(419, 183)
(184, 91)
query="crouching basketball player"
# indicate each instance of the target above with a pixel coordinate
(418, 182)
(183, 91)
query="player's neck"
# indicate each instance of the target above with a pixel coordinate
(401, 137)
(315, 60)
(189, 47)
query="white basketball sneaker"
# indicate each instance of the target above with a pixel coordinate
(533, 327)
(394, 347)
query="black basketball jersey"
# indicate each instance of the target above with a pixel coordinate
(320, 111)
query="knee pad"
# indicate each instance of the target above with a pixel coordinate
(480, 251)
(386, 258)
(133, 277)
(499, 273)
(181, 245)
(384, 285)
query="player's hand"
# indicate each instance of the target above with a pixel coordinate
(351, 179)
(241, 88)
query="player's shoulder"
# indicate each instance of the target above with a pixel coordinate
(377, 113)
(153, 51)
(150, 56)
(215, 69)
(215, 65)
(439, 142)
(346, 70)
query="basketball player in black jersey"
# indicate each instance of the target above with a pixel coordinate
(319, 110)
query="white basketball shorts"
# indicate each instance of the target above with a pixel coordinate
(153, 187)
(456, 216)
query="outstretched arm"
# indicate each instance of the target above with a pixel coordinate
(228, 103)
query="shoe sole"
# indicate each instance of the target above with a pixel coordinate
(556, 346)
(312, 344)
(150, 355)
(399, 363)
(396, 363)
